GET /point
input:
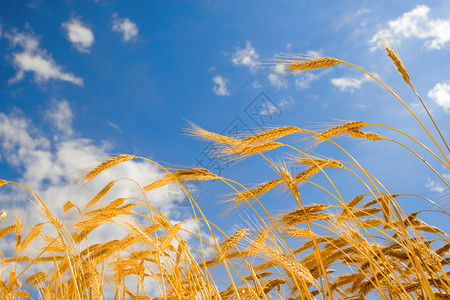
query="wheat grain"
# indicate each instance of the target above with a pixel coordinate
(109, 212)
(300, 232)
(322, 163)
(22, 294)
(116, 203)
(295, 268)
(398, 63)
(366, 135)
(252, 149)
(102, 193)
(91, 223)
(108, 164)
(227, 245)
(169, 237)
(305, 210)
(244, 195)
(31, 236)
(259, 241)
(182, 175)
(7, 230)
(343, 128)
(201, 133)
(270, 134)
(317, 63)
(308, 173)
(68, 205)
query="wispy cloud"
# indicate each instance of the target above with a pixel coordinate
(276, 77)
(115, 126)
(246, 57)
(349, 84)
(60, 116)
(304, 80)
(220, 86)
(125, 26)
(269, 108)
(36, 60)
(440, 93)
(256, 84)
(434, 186)
(79, 34)
(417, 23)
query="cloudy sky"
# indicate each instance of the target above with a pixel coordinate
(85, 80)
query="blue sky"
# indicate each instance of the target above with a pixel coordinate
(84, 80)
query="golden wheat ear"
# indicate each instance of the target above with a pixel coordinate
(305, 63)
(113, 161)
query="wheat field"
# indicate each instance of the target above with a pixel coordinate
(362, 247)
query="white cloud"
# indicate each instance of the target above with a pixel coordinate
(286, 102)
(277, 81)
(349, 84)
(79, 34)
(303, 81)
(276, 78)
(417, 23)
(115, 126)
(125, 26)
(48, 166)
(220, 86)
(268, 108)
(246, 57)
(60, 115)
(440, 93)
(256, 84)
(36, 60)
(435, 186)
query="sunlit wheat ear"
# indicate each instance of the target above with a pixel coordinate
(36, 278)
(257, 191)
(7, 230)
(247, 150)
(227, 245)
(306, 63)
(198, 132)
(258, 243)
(31, 236)
(18, 232)
(344, 128)
(107, 164)
(297, 269)
(170, 236)
(199, 174)
(295, 232)
(318, 63)
(68, 205)
(101, 194)
(271, 134)
(3, 182)
(398, 63)
(290, 182)
(329, 163)
(366, 135)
